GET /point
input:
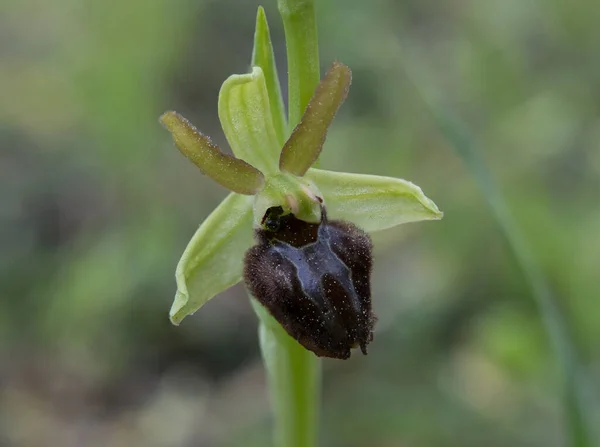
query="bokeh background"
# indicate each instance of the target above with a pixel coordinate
(96, 207)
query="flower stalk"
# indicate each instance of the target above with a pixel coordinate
(294, 378)
(293, 373)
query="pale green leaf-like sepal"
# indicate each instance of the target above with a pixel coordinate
(213, 259)
(372, 202)
(263, 57)
(245, 116)
(230, 172)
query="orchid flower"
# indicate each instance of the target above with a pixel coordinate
(267, 172)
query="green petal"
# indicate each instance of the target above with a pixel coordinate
(304, 145)
(213, 259)
(263, 57)
(245, 116)
(373, 202)
(230, 172)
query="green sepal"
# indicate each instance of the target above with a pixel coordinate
(245, 116)
(230, 172)
(372, 202)
(264, 57)
(303, 147)
(213, 259)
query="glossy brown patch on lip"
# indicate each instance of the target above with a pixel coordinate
(315, 281)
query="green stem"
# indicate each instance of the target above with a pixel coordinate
(294, 380)
(294, 374)
(300, 27)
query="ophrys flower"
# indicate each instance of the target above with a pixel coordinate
(321, 266)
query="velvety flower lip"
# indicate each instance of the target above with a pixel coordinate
(267, 172)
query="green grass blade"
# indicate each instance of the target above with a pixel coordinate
(574, 380)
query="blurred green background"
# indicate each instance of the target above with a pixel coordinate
(97, 206)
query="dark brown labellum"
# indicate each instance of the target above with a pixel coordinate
(315, 281)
